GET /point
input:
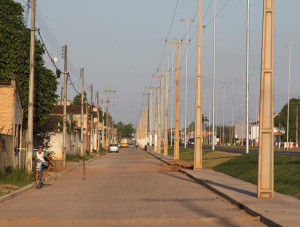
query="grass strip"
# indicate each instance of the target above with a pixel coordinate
(286, 171)
(16, 176)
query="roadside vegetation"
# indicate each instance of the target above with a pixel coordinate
(244, 167)
(14, 178)
(286, 171)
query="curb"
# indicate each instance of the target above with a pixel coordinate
(49, 178)
(241, 206)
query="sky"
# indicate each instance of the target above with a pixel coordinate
(122, 42)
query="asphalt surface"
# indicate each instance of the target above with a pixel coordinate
(131, 188)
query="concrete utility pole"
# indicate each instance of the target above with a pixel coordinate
(224, 87)
(247, 77)
(150, 117)
(81, 117)
(92, 121)
(186, 74)
(103, 108)
(159, 115)
(176, 142)
(156, 121)
(265, 185)
(166, 110)
(107, 136)
(148, 123)
(172, 102)
(296, 124)
(214, 80)
(65, 105)
(232, 107)
(97, 129)
(31, 92)
(198, 112)
(289, 82)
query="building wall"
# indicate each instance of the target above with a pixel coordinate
(6, 109)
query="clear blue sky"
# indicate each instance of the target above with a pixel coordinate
(121, 41)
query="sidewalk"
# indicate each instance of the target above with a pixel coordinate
(51, 175)
(282, 210)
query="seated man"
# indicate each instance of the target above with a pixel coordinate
(40, 156)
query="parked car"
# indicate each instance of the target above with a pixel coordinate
(113, 147)
(131, 145)
(191, 141)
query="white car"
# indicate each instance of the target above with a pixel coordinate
(113, 147)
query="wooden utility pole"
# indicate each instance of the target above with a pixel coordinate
(176, 141)
(31, 92)
(81, 117)
(159, 115)
(91, 122)
(65, 105)
(265, 185)
(198, 115)
(97, 129)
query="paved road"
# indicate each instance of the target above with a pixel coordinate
(125, 189)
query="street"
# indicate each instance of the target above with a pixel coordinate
(131, 188)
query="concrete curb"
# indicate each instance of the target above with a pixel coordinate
(49, 178)
(241, 206)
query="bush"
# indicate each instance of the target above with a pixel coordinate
(16, 176)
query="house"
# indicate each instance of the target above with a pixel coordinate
(11, 119)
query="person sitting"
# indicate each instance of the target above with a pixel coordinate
(40, 156)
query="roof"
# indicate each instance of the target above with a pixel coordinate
(73, 109)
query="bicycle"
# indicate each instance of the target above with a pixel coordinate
(40, 183)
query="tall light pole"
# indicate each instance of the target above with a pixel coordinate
(214, 81)
(186, 73)
(288, 110)
(232, 107)
(247, 77)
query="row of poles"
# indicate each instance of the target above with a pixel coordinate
(29, 140)
(265, 187)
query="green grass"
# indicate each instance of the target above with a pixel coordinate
(286, 171)
(16, 176)
(77, 158)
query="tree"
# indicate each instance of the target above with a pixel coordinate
(14, 62)
(280, 120)
(124, 130)
(77, 99)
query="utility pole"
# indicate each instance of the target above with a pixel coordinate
(186, 73)
(65, 105)
(224, 87)
(198, 111)
(232, 107)
(247, 77)
(31, 91)
(97, 129)
(150, 117)
(156, 121)
(214, 80)
(103, 108)
(159, 115)
(172, 93)
(289, 82)
(166, 110)
(107, 136)
(147, 110)
(265, 184)
(92, 121)
(81, 117)
(176, 142)
(297, 125)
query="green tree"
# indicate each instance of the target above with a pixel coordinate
(280, 120)
(124, 130)
(77, 99)
(14, 62)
